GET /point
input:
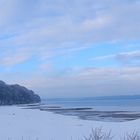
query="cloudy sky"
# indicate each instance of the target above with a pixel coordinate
(71, 48)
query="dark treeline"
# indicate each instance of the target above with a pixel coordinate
(16, 94)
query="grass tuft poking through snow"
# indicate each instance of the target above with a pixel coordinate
(99, 134)
(132, 136)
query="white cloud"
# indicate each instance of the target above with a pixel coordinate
(88, 82)
(129, 56)
(80, 21)
(15, 57)
(125, 58)
(48, 24)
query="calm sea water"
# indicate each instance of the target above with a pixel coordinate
(111, 103)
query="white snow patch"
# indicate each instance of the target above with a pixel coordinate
(16, 123)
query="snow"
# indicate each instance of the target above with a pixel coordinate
(16, 122)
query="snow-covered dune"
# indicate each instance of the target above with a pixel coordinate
(16, 123)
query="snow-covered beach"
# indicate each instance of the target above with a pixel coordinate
(17, 123)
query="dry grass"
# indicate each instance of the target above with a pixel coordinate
(99, 134)
(131, 136)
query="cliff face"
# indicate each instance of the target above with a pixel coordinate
(16, 94)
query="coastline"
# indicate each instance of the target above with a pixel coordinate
(89, 113)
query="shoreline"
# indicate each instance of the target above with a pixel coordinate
(88, 113)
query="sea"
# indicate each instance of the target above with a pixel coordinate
(110, 103)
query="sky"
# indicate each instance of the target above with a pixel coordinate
(71, 48)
